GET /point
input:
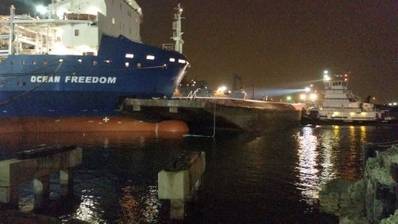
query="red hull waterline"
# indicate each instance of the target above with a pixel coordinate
(92, 124)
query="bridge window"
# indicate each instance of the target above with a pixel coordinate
(150, 57)
(172, 60)
(181, 61)
(129, 55)
(76, 33)
(127, 64)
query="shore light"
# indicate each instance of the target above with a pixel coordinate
(303, 97)
(313, 97)
(221, 90)
(41, 9)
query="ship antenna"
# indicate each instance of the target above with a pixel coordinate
(12, 31)
(177, 29)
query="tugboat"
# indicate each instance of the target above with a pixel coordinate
(341, 106)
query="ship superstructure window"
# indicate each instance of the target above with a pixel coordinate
(95, 63)
(80, 60)
(113, 21)
(129, 55)
(172, 60)
(181, 61)
(61, 60)
(107, 61)
(127, 64)
(76, 33)
(150, 57)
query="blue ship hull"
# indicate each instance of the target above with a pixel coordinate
(60, 86)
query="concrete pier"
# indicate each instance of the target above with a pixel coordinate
(14, 172)
(179, 182)
(221, 113)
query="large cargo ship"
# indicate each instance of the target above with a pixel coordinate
(81, 58)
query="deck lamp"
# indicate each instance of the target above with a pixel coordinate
(41, 9)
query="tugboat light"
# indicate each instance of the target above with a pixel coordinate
(326, 78)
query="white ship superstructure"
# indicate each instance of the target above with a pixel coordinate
(340, 104)
(69, 27)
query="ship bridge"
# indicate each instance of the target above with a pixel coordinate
(72, 27)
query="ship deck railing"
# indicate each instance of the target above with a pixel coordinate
(3, 53)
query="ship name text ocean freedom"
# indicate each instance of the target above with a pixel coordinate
(74, 79)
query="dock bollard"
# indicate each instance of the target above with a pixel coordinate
(180, 180)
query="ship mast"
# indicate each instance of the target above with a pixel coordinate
(177, 29)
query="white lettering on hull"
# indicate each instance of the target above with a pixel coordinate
(45, 79)
(74, 79)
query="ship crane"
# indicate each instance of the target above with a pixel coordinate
(177, 29)
(12, 31)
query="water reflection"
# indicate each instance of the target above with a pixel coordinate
(139, 207)
(273, 178)
(328, 152)
(308, 163)
(88, 209)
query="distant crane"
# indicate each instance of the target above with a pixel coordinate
(237, 82)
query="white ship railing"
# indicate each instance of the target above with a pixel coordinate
(3, 53)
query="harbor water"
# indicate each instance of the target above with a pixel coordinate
(275, 178)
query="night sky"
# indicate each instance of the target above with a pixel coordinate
(283, 43)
